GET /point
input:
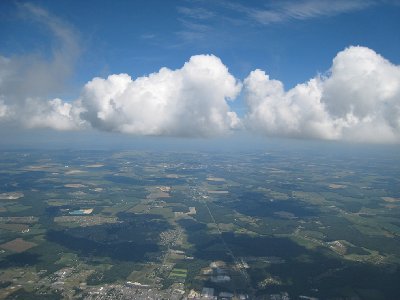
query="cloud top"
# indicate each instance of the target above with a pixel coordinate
(358, 100)
(188, 102)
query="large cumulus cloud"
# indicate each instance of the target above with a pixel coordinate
(191, 101)
(358, 100)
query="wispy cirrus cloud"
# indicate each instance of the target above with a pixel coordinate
(196, 12)
(284, 11)
(195, 23)
(307, 9)
(207, 22)
(202, 20)
(193, 31)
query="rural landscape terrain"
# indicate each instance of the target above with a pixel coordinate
(199, 225)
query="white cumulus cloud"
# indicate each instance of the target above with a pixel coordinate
(191, 101)
(359, 100)
(54, 114)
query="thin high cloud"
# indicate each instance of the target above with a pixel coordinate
(206, 20)
(193, 31)
(198, 13)
(283, 11)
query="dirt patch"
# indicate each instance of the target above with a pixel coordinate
(11, 196)
(215, 179)
(14, 227)
(74, 185)
(390, 199)
(18, 245)
(336, 186)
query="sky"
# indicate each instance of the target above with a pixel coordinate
(200, 70)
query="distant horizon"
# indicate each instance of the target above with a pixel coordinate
(90, 141)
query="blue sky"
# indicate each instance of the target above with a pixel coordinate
(291, 41)
(139, 37)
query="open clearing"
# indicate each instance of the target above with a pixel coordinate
(18, 245)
